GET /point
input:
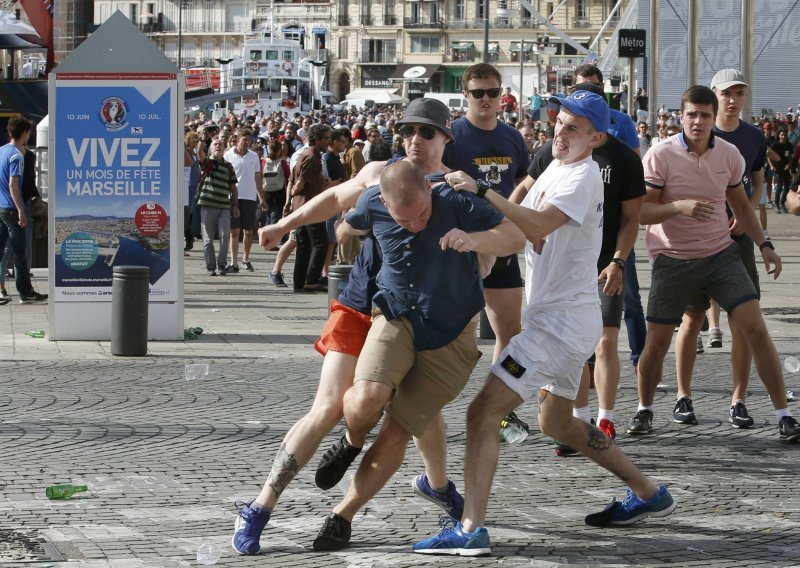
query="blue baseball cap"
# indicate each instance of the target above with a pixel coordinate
(588, 105)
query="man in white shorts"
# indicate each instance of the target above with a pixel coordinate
(562, 218)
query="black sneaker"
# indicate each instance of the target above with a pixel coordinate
(642, 423)
(684, 411)
(33, 298)
(565, 451)
(789, 429)
(334, 534)
(277, 279)
(248, 266)
(231, 268)
(212, 272)
(334, 464)
(739, 418)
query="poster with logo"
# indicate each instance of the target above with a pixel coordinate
(113, 183)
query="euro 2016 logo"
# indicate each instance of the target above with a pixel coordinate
(114, 113)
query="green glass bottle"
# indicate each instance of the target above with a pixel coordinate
(64, 490)
(37, 333)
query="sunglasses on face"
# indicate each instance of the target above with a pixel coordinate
(478, 93)
(408, 131)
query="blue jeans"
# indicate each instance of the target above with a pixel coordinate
(634, 314)
(8, 257)
(11, 232)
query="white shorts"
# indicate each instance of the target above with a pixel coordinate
(550, 352)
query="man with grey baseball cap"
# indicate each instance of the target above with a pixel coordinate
(727, 78)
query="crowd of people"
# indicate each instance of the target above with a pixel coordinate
(432, 207)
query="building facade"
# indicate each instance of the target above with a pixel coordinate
(413, 46)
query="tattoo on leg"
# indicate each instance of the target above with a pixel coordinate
(598, 441)
(283, 470)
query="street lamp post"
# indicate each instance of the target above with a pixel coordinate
(181, 5)
(521, 69)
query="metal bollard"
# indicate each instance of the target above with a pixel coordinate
(130, 291)
(485, 330)
(338, 276)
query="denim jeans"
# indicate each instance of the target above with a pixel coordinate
(11, 232)
(8, 257)
(634, 314)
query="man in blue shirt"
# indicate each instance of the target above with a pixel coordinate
(421, 348)
(12, 209)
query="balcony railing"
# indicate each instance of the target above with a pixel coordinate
(365, 19)
(377, 59)
(389, 20)
(494, 23)
(201, 27)
(342, 20)
(418, 23)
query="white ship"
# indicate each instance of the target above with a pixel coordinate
(286, 76)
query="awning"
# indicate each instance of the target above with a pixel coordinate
(379, 96)
(319, 30)
(413, 72)
(515, 46)
(463, 46)
(494, 47)
(26, 98)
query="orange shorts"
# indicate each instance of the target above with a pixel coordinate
(344, 332)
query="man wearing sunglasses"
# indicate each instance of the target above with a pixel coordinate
(341, 341)
(490, 150)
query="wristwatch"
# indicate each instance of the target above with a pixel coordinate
(619, 262)
(483, 187)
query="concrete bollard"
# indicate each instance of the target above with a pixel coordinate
(130, 291)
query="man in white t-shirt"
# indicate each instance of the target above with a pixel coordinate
(247, 166)
(562, 218)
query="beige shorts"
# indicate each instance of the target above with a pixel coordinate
(423, 381)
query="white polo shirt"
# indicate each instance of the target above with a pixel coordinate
(246, 168)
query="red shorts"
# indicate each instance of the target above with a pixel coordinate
(344, 332)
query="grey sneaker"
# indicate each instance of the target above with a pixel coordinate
(684, 411)
(789, 429)
(700, 344)
(642, 423)
(714, 338)
(739, 418)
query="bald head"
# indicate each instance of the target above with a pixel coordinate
(402, 183)
(406, 195)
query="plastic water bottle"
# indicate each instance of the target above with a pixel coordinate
(791, 364)
(512, 429)
(512, 433)
(208, 554)
(64, 490)
(38, 333)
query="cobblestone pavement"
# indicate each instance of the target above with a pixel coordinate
(165, 459)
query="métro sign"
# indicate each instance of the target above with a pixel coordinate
(632, 43)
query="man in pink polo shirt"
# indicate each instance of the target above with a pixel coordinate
(689, 179)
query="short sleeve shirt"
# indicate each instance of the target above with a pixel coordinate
(680, 174)
(12, 163)
(438, 291)
(498, 156)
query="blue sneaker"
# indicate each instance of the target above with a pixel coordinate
(249, 523)
(633, 509)
(452, 503)
(456, 541)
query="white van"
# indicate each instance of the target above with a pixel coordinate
(455, 101)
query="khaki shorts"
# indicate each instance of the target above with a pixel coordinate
(423, 381)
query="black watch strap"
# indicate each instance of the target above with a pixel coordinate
(483, 187)
(619, 262)
(766, 244)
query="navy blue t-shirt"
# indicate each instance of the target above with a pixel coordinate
(752, 145)
(497, 156)
(361, 286)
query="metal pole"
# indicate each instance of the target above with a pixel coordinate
(693, 45)
(631, 84)
(746, 57)
(485, 40)
(521, 72)
(180, 32)
(652, 67)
